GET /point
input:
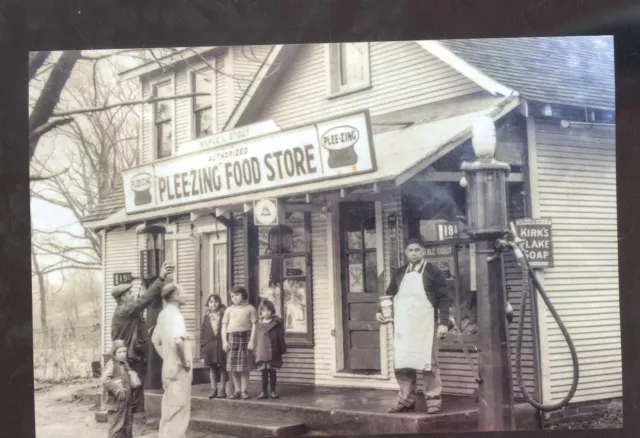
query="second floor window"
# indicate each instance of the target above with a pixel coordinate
(162, 117)
(203, 105)
(350, 67)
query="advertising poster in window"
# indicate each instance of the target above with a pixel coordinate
(269, 289)
(355, 278)
(295, 306)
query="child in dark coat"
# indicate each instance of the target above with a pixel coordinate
(211, 344)
(270, 347)
(117, 383)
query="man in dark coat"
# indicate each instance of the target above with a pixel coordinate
(421, 317)
(129, 324)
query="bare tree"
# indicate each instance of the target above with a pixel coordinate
(55, 73)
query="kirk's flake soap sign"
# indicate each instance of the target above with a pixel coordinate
(538, 242)
(331, 149)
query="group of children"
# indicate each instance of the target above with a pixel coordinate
(235, 339)
(238, 339)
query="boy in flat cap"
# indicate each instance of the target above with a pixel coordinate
(129, 325)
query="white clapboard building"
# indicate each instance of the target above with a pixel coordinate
(361, 144)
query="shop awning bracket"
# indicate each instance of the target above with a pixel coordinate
(222, 219)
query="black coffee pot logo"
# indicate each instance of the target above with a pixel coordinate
(340, 142)
(141, 185)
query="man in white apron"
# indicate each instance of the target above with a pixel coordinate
(170, 340)
(420, 316)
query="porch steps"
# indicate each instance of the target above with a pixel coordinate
(309, 411)
(249, 427)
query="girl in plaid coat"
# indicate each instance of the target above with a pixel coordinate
(238, 334)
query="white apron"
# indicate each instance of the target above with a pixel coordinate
(414, 325)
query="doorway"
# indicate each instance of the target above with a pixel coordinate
(360, 287)
(214, 268)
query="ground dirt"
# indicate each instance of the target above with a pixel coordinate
(610, 418)
(67, 411)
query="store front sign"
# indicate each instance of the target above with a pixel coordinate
(538, 243)
(331, 149)
(233, 136)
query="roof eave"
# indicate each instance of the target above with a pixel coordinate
(508, 105)
(474, 74)
(170, 60)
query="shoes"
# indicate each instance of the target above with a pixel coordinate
(213, 394)
(400, 408)
(235, 396)
(222, 394)
(262, 396)
(274, 394)
(245, 396)
(433, 410)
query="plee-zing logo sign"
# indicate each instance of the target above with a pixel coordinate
(340, 142)
(141, 185)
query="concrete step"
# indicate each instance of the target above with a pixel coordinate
(249, 427)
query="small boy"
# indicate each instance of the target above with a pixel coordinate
(118, 380)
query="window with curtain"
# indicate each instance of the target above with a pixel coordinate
(203, 105)
(163, 120)
(284, 273)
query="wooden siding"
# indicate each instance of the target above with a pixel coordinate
(234, 72)
(186, 270)
(403, 75)
(247, 60)
(577, 190)
(121, 256)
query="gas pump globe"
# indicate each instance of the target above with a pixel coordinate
(486, 182)
(151, 239)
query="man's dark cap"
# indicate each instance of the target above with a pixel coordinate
(414, 241)
(119, 290)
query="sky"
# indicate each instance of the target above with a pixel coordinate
(46, 216)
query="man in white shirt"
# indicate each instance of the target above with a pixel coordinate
(170, 341)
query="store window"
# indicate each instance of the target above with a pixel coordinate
(162, 116)
(203, 105)
(349, 67)
(284, 274)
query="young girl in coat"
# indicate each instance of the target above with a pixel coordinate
(117, 383)
(270, 347)
(238, 334)
(211, 342)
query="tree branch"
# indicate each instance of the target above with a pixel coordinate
(36, 61)
(48, 177)
(43, 129)
(148, 100)
(50, 95)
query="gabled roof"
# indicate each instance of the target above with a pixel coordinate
(112, 202)
(576, 71)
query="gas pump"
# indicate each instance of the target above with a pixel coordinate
(487, 226)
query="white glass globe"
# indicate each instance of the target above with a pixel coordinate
(484, 137)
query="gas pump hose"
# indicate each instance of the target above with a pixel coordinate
(523, 306)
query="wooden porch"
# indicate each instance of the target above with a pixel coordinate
(321, 411)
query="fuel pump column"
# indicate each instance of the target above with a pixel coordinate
(487, 222)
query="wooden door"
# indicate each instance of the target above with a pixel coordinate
(360, 287)
(215, 265)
